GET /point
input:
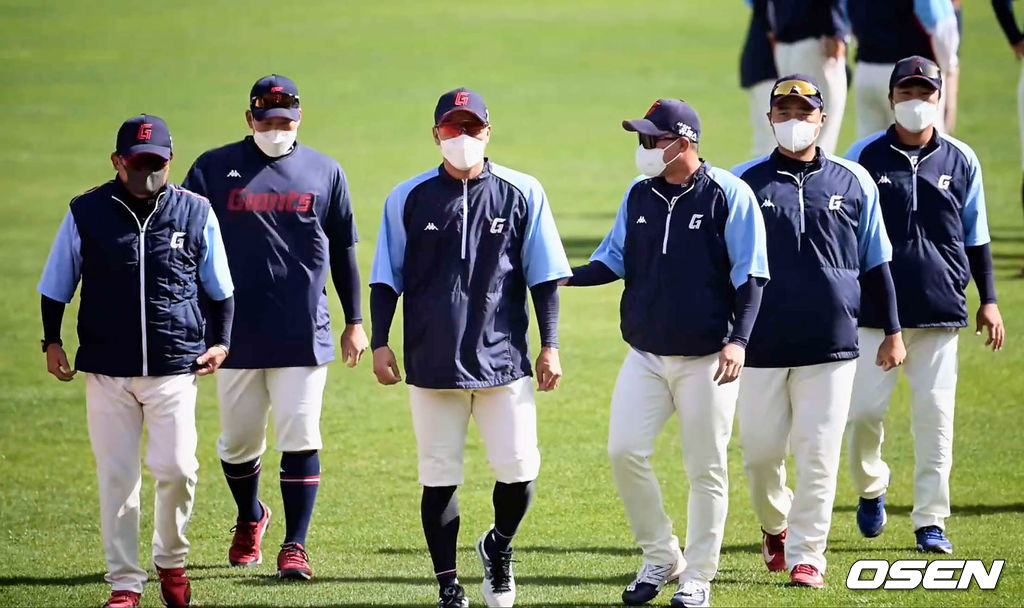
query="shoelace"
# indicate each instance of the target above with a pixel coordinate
(932, 533)
(501, 571)
(653, 574)
(804, 569)
(292, 551)
(692, 588)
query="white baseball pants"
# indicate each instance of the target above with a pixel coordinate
(651, 388)
(760, 97)
(806, 408)
(116, 409)
(808, 57)
(871, 99)
(931, 369)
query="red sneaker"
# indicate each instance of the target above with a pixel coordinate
(174, 587)
(122, 598)
(245, 546)
(806, 575)
(292, 563)
(773, 549)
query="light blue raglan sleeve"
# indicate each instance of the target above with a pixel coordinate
(610, 251)
(938, 18)
(745, 237)
(214, 274)
(544, 257)
(391, 239)
(872, 239)
(853, 154)
(64, 265)
(741, 168)
(974, 214)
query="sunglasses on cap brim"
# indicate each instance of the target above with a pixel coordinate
(275, 100)
(795, 87)
(450, 129)
(925, 70)
(650, 142)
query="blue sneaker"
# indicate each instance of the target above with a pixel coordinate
(871, 517)
(931, 539)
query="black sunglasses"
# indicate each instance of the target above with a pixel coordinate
(274, 100)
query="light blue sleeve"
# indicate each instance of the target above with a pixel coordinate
(64, 265)
(857, 148)
(390, 254)
(214, 273)
(974, 214)
(932, 12)
(741, 168)
(544, 257)
(610, 251)
(745, 237)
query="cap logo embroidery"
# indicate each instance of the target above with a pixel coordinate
(145, 131)
(652, 109)
(276, 89)
(462, 98)
(686, 131)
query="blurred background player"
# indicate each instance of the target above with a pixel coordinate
(757, 76)
(143, 249)
(809, 37)
(933, 204)
(287, 217)
(463, 242)
(889, 30)
(1007, 20)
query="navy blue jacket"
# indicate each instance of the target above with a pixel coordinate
(933, 203)
(757, 62)
(280, 216)
(890, 30)
(682, 251)
(824, 229)
(796, 20)
(463, 253)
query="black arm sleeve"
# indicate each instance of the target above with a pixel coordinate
(53, 316)
(878, 287)
(591, 274)
(345, 275)
(748, 302)
(545, 304)
(220, 314)
(980, 259)
(1004, 13)
(383, 303)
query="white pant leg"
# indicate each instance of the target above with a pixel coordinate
(296, 399)
(807, 57)
(440, 418)
(871, 96)
(1020, 113)
(705, 412)
(169, 408)
(820, 395)
(931, 369)
(507, 418)
(765, 418)
(865, 433)
(641, 405)
(764, 141)
(244, 411)
(115, 431)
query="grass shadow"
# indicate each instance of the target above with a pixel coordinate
(956, 510)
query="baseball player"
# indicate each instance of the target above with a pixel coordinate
(933, 204)
(287, 218)
(142, 249)
(826, 242)
(463, 242)
(757, 75)
(887, 31)
(1004, 11)
(809, 37)
(689, 243)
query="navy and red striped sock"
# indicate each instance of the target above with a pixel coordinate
(244, 481)
(300, 478)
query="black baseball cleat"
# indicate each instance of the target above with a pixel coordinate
(452, 596)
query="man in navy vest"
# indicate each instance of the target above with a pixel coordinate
(825, 240)
(142, 249)
(463, 242)
(757, 76)
(287, 218)
(933, 204)
(689, 243)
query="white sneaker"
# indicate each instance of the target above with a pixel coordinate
(499, 585)
(692, 594)
(650, 580)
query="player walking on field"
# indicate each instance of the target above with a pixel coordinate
(287, 218)
(142, 248)
(933, 204)
(825, 240)
(463, 242)
(689, 243)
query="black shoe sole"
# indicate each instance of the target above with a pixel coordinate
(294, 575)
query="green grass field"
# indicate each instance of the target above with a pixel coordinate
(558, 77)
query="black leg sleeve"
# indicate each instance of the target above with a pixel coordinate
(439, 511)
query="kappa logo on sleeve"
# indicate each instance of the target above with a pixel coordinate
(641, 220)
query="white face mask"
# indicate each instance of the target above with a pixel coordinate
(276, 142)
(651, 162)
(463, 152)
(916, 115)
(796, 135)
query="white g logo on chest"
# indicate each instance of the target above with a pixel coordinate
(178, 240)
(497, 225)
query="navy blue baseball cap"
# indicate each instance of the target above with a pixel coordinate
(915, 70)
(144, 134)
(797, 85)
(274, 96)
(461, 99)
(667, 117)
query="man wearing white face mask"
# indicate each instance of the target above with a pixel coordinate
(933, 203)
(287, 219)
(826, 242)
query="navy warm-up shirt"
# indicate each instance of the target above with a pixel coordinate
(278, 216)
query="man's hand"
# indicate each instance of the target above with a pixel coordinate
(563, 282)
(549, 369)
(730, 363)
(835, 48)
(353, 344)
(385, 366)
(210, 361)
(57, 363)
(891, 352)
(1018, 50)
(988, 317)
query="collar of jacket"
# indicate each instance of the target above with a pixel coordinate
(486, 173)
(893, 139)
(791, 165)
